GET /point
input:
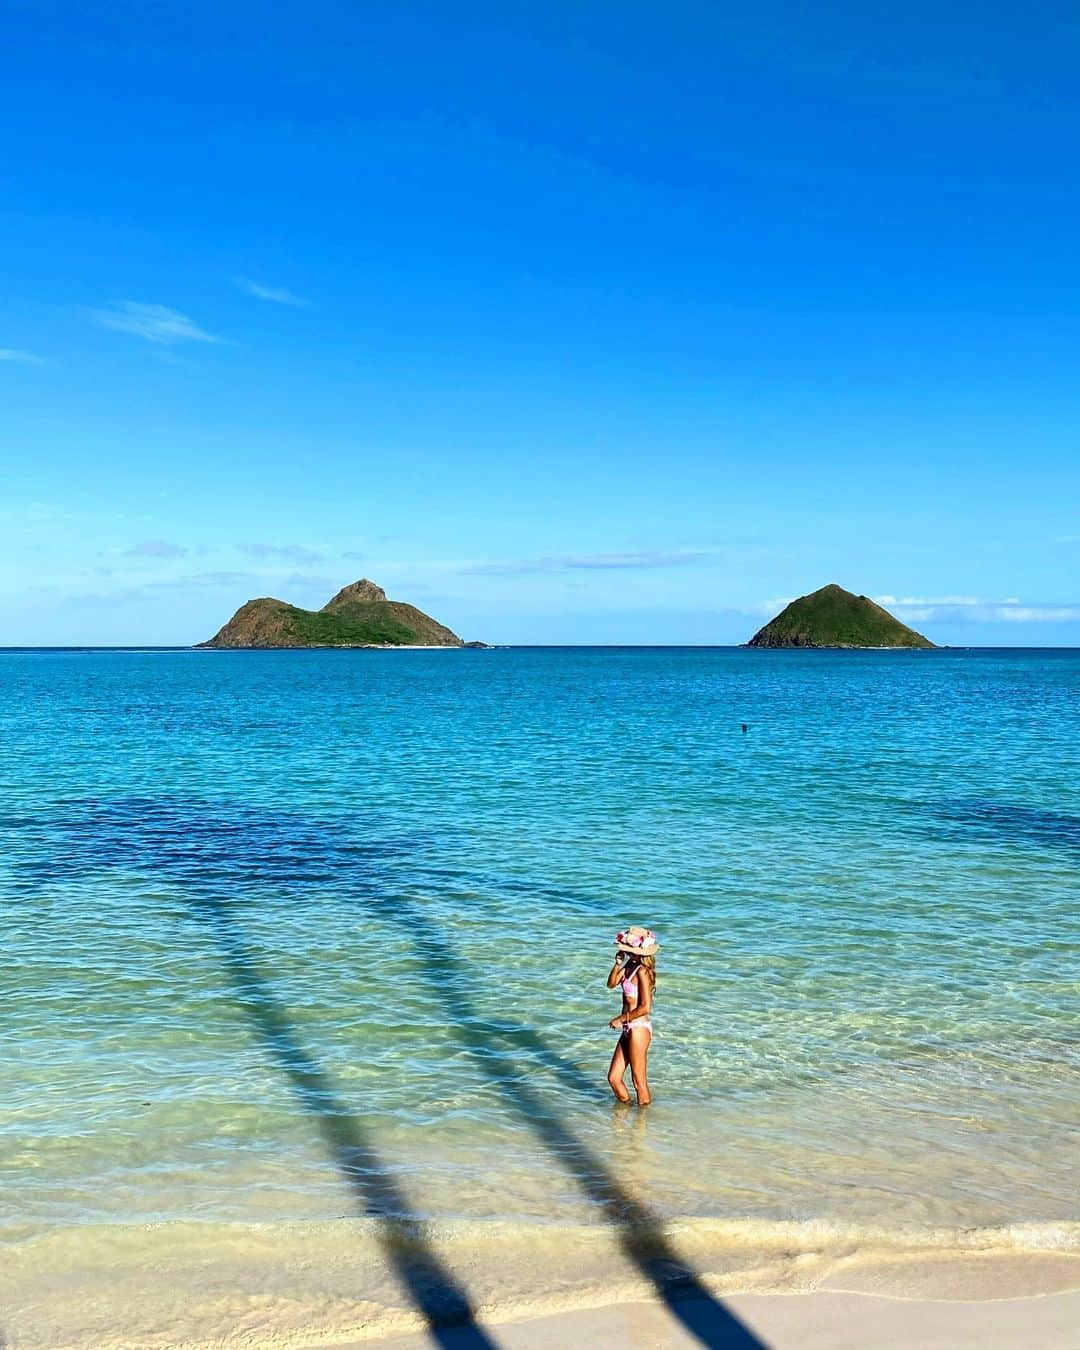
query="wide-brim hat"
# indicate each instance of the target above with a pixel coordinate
(637, 941)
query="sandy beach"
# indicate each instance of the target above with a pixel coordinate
(283, 1287)
(974, 1301)
(820, 1321)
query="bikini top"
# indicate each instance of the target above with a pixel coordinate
(629, 984)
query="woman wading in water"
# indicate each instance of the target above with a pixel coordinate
(634, 972)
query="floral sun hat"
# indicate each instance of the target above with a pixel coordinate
(637, 941)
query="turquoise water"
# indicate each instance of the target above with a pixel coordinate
(302, 935)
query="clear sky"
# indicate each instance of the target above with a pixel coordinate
(566, 322)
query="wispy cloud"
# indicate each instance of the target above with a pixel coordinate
(277, 294)
(155, 323)
(126, 595)
(924, 604)
(200, 580)
(771, 607)
(157, 548)
(935, 600)
(975, 609)
(256, 583)
(963, 609)
(326, 586)
(1038, 613)
(599, 562)
(13, 354)
(296, 553)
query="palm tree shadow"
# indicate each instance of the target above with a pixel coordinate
(984, 821)
(200, 847)
(639, 1231)
(443, 1302)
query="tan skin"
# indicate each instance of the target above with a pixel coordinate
(632, 1051)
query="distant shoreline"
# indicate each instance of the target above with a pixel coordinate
(523, 647)
(343, 647)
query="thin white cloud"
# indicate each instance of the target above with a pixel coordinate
(593, 562)
(325, 585)
(14, 354)
(156, 548)
(155, 323)
(922, 600)
(255, 582)
(200, 580)
(1038, 613)
(277, 294)
(296, 553)
(975, 609)
(936, 600)
(769, 607)
(963, 609)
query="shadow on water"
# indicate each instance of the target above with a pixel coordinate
(443, 1303)
(217, 847)
(205, 847)
(992, 821)
(437, 1294)
(640, 1232)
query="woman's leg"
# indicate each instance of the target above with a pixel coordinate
(617, 1072)
(638, 1051)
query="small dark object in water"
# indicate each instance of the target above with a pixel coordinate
(744, 727)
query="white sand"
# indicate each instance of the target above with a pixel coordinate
(820, 1321)
(305, 1286)
(983, 1302)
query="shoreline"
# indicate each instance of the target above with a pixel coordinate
(335, 1283)
(342, 647)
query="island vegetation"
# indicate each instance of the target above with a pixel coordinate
(833, 617)
(359, 615)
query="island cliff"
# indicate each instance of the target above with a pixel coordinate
(833, 617)
(359, 615)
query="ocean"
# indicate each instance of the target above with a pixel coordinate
(306, 948)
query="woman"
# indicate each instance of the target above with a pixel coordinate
(634, 972)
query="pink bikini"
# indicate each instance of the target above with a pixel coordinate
(629, 988)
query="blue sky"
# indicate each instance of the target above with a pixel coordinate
(592, 322)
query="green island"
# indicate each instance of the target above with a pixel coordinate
(359, 615)
(833, 617)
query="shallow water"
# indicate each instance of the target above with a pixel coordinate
(308, 935)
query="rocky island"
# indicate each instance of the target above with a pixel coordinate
(833, 617)
(359, 615)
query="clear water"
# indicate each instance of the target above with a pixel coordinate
(303, 935)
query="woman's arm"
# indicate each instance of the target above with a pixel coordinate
(615, 973)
